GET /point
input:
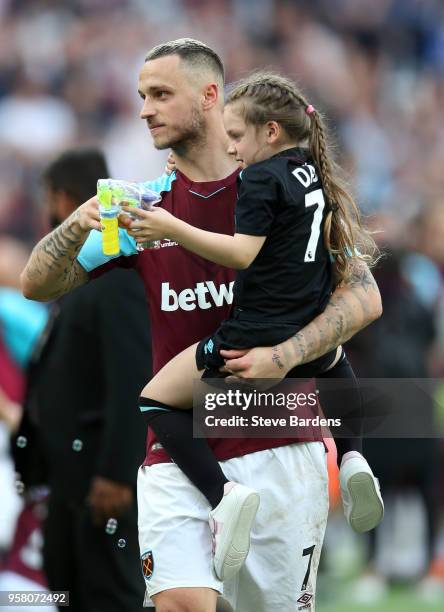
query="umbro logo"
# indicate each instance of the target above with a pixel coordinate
(305, 599)
(208, 348)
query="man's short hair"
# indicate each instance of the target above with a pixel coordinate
(193, 52)
(76, 172)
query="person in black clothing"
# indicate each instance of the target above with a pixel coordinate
(84, 378)
(398, 347)
(293, 216)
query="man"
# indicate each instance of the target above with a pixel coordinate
(181, 85)
(83, 382)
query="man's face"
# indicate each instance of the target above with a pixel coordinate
(247, 143)
(52, 200)
(59, 205)
(170, 103)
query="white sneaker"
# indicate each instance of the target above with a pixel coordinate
(361, 494)
(230, 524)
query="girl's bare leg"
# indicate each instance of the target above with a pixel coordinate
(173, 384)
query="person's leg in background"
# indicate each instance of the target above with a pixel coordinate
(403, 466)
(59, 535)
(427, 482)
(109, 564)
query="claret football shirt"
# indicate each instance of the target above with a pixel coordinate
(188, 296)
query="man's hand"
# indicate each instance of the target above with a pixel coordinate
(258, 363)
(108, 499)
(88, 215)
(150, 225)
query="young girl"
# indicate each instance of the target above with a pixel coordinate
(293, 216)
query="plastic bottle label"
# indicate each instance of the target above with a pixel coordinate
(110, 236)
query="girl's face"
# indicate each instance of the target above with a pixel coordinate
(247, 143)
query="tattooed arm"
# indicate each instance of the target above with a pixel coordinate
(53, 269)
(352, 307)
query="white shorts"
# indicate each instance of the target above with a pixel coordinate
(280, 570)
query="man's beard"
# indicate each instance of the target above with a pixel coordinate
(54, 221)
(191, 136)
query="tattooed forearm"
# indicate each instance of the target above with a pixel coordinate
(276, 358)
(351, 308)
(52, 269)
(294, 346)
(361, 276)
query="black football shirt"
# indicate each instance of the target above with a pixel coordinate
(290, 280)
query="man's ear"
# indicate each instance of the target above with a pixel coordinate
(210, 96)
(273, 131)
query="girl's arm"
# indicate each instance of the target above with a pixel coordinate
(236, 251)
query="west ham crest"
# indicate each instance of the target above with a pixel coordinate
(147, 561)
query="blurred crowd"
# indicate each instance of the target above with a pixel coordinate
(68, 77)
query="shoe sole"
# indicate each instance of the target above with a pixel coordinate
(231, 560)
(367, 506)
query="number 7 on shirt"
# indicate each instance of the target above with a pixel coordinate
(314, 198)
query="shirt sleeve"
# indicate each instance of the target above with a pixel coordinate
(91, 254)
(21, 321)
(256, 207)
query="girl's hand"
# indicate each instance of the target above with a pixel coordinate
(150, 225)
(170, 165)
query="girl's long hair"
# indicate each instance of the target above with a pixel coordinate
(266, 96)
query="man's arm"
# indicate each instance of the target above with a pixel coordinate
(53, 269)
(352, 307)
